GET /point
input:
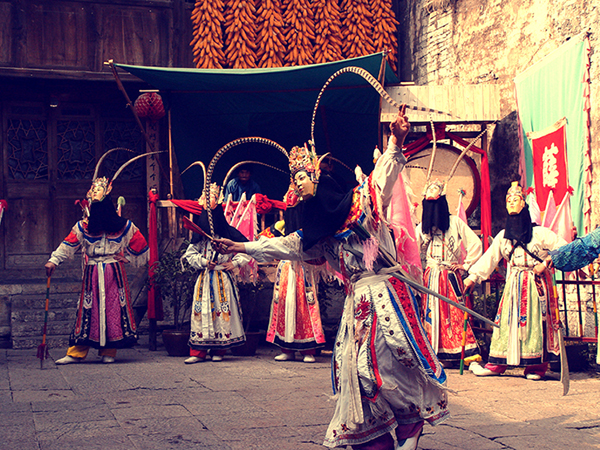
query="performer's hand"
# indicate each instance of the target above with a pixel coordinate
(50, 267)
(228, 266)
(227, 246)
(212, 265)
(469, 285)
(121, 258)
(400, 127)
(541, 267)
(457, 266)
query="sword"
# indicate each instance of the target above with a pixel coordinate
(400, 275)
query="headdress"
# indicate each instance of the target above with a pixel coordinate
(303, 159)
(515, 189)
(104, 183)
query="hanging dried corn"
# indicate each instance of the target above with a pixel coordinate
(357, 29)
(384, 30)
(328, 31)
(270, 41)
(207, 41)
(240, 34)
(299, 32)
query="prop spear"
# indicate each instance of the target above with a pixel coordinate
(42, 350)
(400, 275)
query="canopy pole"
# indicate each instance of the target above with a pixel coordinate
(111, 64)
(381, 79)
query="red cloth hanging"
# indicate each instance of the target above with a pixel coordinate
(155, 307)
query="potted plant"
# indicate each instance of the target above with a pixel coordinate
(175, 280)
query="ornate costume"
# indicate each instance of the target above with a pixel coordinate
(528, 333)
(216, 320)
(104, 314)
(295, 319)
(444, 323)
(385, 374)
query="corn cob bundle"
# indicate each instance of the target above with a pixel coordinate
(240, 34)
(357, 30)
(384, 30)
(328, 33)
(207, 41)
(299, 32)
(270, 41)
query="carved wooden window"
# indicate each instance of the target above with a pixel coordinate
(27, 141)
(125, 135)
(76, 149)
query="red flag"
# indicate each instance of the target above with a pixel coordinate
(549, 148)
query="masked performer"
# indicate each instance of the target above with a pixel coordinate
(528, 333)
(386, 376)
(104, 315)
(295, 321)
(216, 322)
(440, 236)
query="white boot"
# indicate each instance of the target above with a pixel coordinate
(193, 360)
(479, 371)
(309, 359)
(285, 357)
(67, 360)
(107, 360)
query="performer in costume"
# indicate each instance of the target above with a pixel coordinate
(440, 236)
(295, 319)
(532, 339)
(105, 317)
(386, 376)
(216, 320)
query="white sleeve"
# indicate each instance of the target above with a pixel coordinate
(386, 171)
(287, 248)
(194, 258)
(472, 243)
(484, 267)
(240, 259)
(68, 247)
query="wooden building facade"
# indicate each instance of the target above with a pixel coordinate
(60, 110)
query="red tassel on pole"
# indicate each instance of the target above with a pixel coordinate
(155, 307)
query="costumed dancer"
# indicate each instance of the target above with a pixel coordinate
(295, 319)
(105, 318)
(386, 376)
(576, 255)
(440, 236)
(528, 333)
(216, 320)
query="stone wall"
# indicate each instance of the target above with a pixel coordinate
(491, 41)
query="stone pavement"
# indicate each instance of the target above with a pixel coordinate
(150, 401)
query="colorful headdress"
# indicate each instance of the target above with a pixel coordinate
(103, 182)
(301, 158)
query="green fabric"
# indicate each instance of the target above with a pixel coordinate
(547, 92)
(211, 107)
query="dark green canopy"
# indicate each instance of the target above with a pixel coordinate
(211, 107)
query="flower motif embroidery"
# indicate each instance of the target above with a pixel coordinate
(362, 310)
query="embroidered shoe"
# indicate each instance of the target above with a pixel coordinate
(481, 371)
(285, 357)
(67, 360)
(107, 360)
(533, 376)
(309, 359)
(217, 358)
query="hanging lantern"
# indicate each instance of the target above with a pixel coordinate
(150, 106)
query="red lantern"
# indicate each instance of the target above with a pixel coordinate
(150, 106)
